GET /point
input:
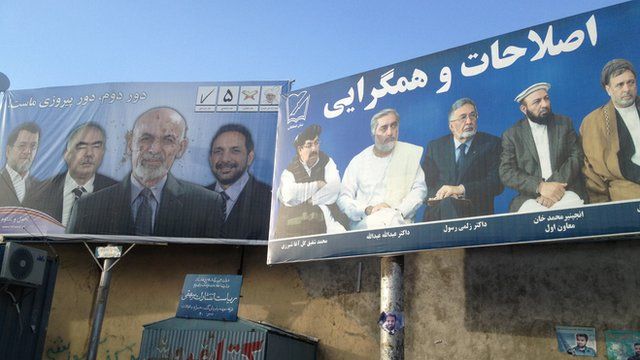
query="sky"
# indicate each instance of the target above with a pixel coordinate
(47, 43)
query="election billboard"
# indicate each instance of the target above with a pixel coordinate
(523, 137)
(167, 162)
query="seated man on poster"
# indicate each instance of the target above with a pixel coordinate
(384, 184)
(83, 155)
(461, 168)
(248, 201)
(17, 185)
(611, 138)
(151, 201)
(581, 348)
(541, 156)
(309, 187)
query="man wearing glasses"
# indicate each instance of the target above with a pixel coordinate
(461, 168)
(541, 156)
(309, 187)
(22, 146)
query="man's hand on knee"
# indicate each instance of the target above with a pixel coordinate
(552, 190)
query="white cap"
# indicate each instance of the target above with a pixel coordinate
(535, 87)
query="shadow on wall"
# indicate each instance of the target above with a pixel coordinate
(331, 278)
(529, 289)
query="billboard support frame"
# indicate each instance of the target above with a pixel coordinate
(102, 294)
(99, 308)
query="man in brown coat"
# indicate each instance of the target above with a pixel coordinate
(611, 138)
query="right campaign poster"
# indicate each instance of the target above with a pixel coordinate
(524, 137)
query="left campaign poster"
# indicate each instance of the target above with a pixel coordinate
(170, 162)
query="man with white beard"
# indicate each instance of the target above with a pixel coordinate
(384, 184)
(150, 201)
(21, 149)
(462, 167)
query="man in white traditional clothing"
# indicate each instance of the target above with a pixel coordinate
(384, 184)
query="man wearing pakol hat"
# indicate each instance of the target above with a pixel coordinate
(309, 187)
(541, 156)
(611, 137)
(384, 184)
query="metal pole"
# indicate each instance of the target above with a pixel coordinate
(391, 300)
(99, 308)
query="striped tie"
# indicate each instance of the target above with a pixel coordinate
(143, 215)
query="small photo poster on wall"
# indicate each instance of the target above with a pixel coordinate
(576, 341)
(622, 344)
(391, 321)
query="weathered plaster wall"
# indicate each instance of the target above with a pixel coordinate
(315, 299)
(490, 303)
(504, 302)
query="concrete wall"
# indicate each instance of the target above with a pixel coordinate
(491, 303)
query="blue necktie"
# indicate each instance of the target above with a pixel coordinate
(462, 154)
(144, 215)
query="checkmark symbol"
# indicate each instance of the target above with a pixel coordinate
(204, 97)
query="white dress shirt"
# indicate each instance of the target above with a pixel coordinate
(68, 198)
(541, 138)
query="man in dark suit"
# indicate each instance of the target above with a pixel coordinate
(83, 155)
(461, 168)
(151, 202)
(16, 184)
(541, 156)
(248, 200)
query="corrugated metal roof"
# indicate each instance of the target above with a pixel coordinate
(222, 340)
(176, 323)
(199, 344)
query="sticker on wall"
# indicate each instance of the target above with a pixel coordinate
(391, 322)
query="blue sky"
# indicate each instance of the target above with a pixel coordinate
(48, 43)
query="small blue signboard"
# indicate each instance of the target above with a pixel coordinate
(210, 297)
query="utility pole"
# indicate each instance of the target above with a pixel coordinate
(392, 300)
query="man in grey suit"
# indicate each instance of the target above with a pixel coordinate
(541, 156)
(150, 201)
(83, 155)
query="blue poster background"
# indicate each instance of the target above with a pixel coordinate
(573, 72)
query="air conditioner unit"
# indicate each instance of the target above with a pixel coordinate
(22, 264)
